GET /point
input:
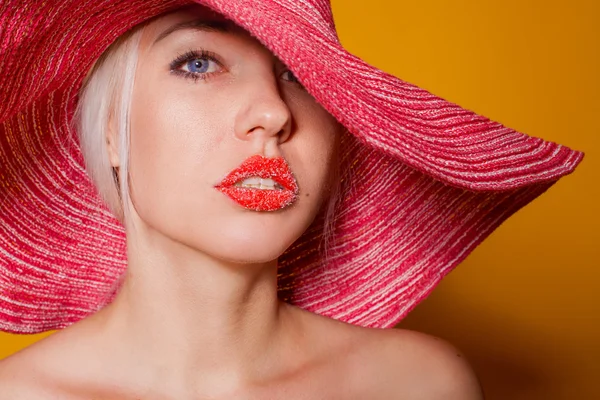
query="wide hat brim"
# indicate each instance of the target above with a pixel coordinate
(429, 179)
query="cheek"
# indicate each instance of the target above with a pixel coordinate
(179, 147)
(172, 140)
(316, 152)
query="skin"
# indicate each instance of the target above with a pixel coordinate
(198, 316)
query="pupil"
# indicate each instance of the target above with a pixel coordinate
(197, 65)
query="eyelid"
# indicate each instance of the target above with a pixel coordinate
(288, 70)
(297, 81)
(180, 60)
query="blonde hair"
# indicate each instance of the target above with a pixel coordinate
(104, 104)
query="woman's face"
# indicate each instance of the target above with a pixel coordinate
(207, 97)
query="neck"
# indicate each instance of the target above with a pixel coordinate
(188, 317)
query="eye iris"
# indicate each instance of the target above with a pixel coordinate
(291, 76)
(198, 65)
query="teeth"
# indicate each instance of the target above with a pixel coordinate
(259, 183)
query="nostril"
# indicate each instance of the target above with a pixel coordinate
(264, 117)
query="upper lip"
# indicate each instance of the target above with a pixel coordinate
(275, 168)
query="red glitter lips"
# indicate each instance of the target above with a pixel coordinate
(261, 184)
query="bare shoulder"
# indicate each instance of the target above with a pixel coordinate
(17, 378)
(411, 365)
(30, 374)
(393, 363)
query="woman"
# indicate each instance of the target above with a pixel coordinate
(222, 167)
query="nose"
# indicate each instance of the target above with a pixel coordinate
(264, 115)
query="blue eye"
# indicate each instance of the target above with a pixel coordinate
(196, 64)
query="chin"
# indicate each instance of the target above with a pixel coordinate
(255, 237)
(227, 232)
(241, 237)
(230, 249)
(257, 257)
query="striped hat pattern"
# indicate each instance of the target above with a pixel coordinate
(424, 180)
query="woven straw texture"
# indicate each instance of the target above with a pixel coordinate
(429, 179)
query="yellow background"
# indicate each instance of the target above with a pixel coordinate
(523, 306)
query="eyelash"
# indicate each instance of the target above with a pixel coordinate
(190, 55)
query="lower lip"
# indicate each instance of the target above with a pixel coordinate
(259, 199)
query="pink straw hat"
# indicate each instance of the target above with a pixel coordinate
(429, 180)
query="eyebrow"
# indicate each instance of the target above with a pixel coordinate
(198, 25)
